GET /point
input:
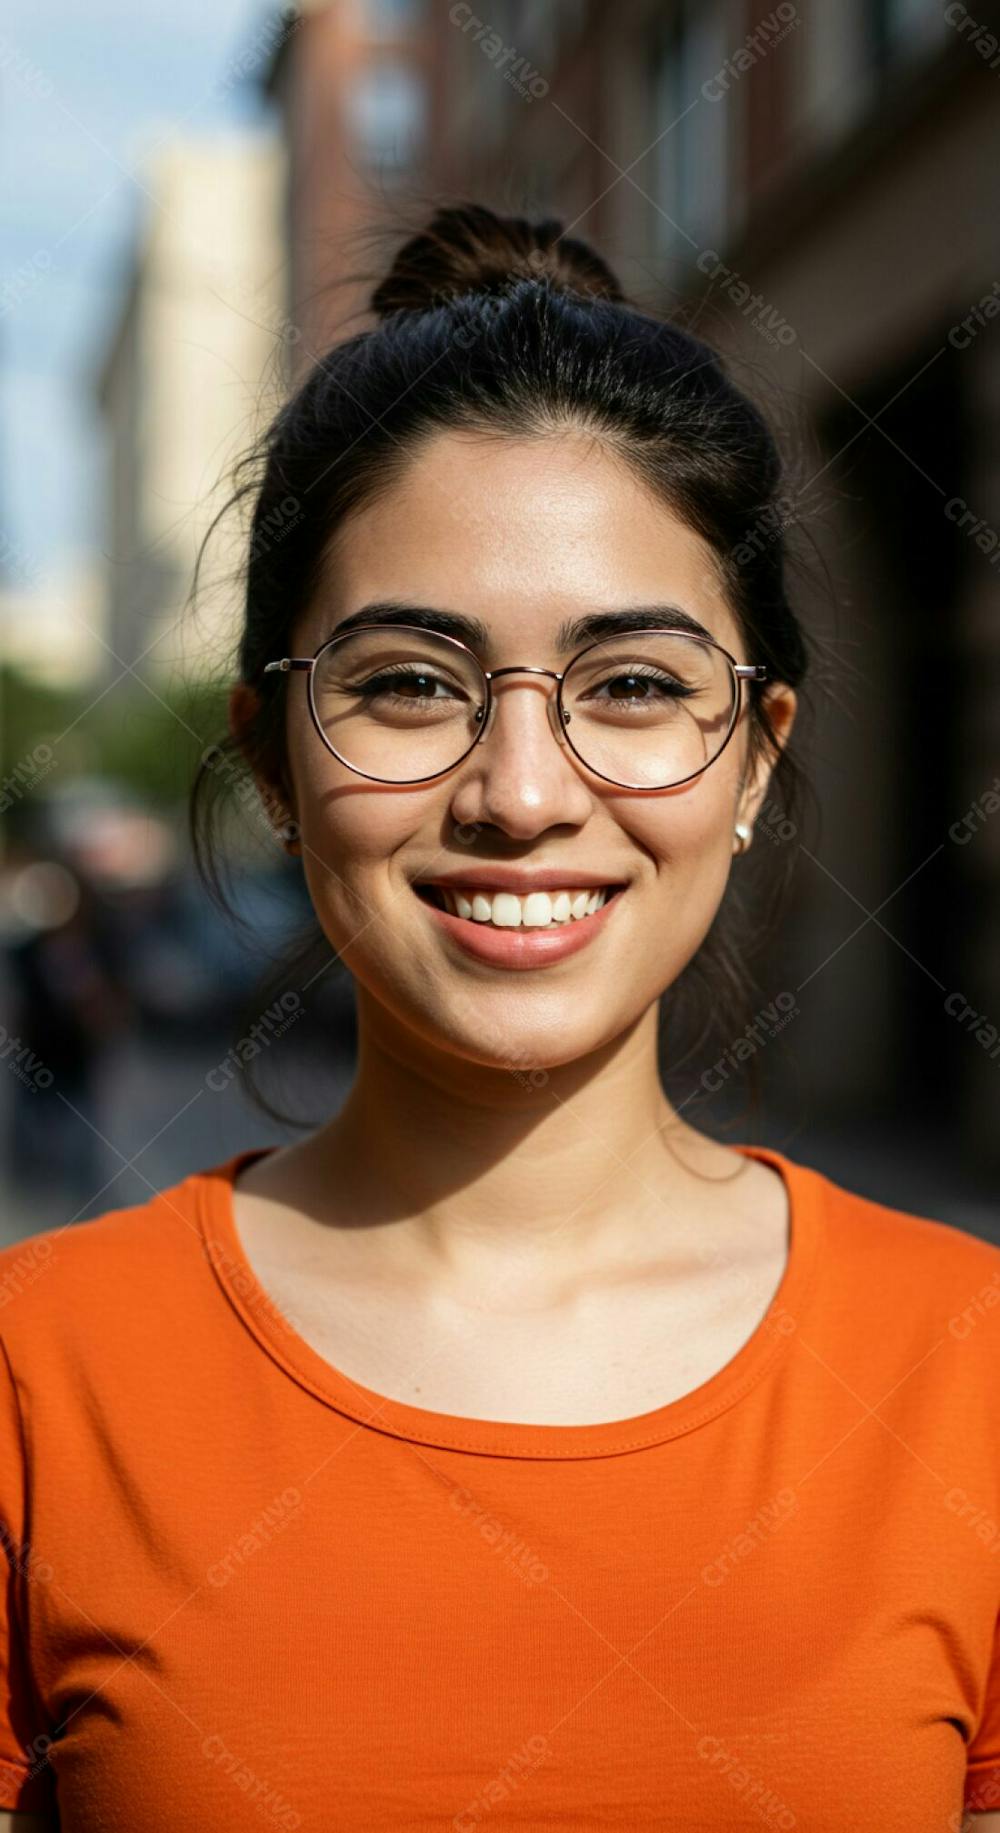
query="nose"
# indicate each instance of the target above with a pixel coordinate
(521, 776)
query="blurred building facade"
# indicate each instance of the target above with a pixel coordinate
(362, 89)
(194, 364)
(813, 191)
(52, 628)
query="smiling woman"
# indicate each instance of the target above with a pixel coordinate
(506, 1450)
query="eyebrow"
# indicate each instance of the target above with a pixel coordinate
(575, 633)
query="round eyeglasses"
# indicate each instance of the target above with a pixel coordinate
(645, 709)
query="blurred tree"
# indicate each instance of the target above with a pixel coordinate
(149, 739)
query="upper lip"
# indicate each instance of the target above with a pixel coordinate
(521, 878)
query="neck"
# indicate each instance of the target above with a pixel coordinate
(464, 1161)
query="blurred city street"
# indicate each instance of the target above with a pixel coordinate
(157, 1120)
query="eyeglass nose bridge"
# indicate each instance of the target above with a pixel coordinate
(553, 707)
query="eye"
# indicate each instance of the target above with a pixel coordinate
(402, 683)
(643, 685)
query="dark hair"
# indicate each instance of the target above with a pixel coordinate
(500, 324)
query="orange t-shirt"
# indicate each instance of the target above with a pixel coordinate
(242, 1585)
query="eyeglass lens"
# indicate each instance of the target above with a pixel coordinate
(645, 710)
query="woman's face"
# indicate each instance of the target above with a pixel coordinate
(521, 535)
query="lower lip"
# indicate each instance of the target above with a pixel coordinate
(523, 947)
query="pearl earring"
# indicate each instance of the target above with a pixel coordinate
(743, 836)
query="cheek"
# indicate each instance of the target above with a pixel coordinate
(348, 837)
(688, 832)
(352, 832)
(345, 821)
(688, 840)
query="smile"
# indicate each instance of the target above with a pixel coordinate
(506, 910)
(520, 932)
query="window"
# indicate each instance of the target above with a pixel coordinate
(394, 18)
(837, 87)
(388, 106)
(898, 30)
(691, 112)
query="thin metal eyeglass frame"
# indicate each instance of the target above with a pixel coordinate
(740, 671)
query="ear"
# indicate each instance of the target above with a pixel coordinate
(781, 708)
(244, 702)
(243, 705)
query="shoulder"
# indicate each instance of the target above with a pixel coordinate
(879, 1235)
(895, 1281)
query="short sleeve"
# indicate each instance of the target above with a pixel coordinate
(26, 1779)
(982, 1776)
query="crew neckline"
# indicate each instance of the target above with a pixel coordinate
(806, 1192)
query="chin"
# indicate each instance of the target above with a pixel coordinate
(530, 1053)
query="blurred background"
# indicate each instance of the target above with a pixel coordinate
(188, 193)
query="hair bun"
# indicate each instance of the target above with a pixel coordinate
(468, 248)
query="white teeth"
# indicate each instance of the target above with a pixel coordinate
(507, 910)
(536, 910)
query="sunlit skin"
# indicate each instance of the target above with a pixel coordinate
(482, 1174)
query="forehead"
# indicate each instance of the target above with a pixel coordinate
(522, 534)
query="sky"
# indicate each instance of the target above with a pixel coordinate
(83, 90)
